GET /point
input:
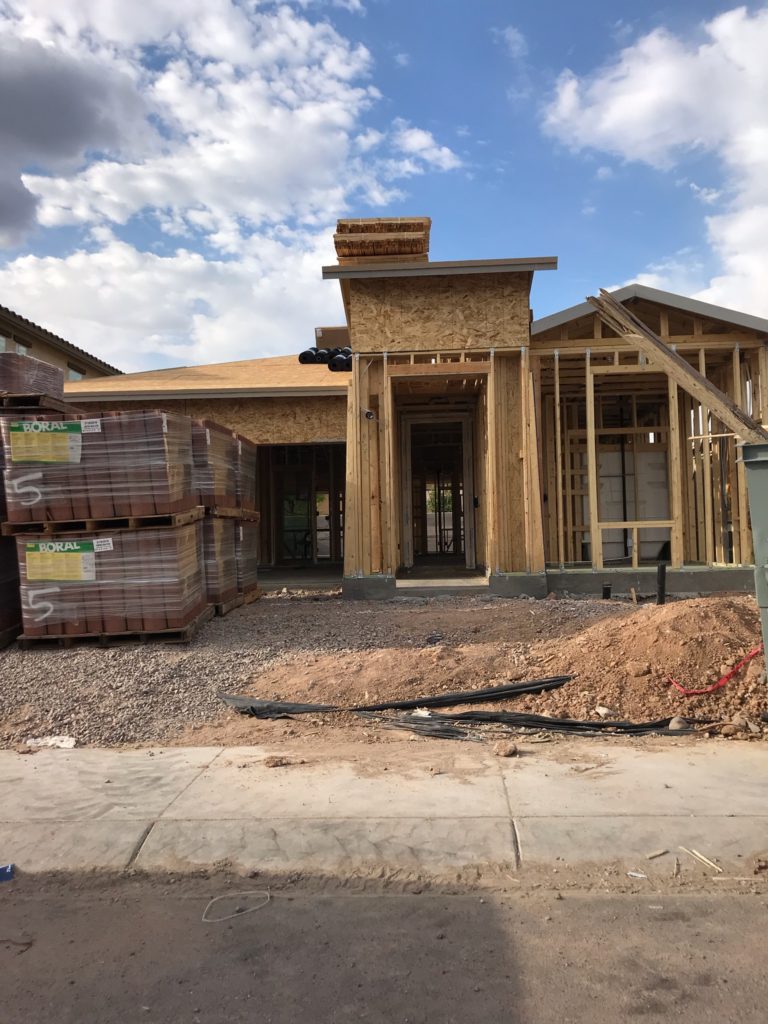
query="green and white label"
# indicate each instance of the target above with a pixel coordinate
(40, 441)
(62, 561)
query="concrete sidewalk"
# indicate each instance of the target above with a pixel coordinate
(183, 809)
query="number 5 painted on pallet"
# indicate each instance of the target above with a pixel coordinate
(45, 607)
(35, 493)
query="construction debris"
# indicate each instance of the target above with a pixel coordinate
(702, 859)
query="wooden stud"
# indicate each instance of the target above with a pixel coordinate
(745, 534)
(559, 465)
(592, 473)
(675, 495)
(709, 548)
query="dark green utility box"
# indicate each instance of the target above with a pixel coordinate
(755, 458)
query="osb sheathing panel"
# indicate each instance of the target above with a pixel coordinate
(263, 420)
(464, 311)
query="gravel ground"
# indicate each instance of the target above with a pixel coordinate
(152, 693)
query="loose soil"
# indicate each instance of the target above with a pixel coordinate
(317, 649)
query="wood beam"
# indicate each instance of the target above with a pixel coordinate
(678, 370)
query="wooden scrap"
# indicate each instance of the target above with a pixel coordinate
(655, 854)
(704, 860)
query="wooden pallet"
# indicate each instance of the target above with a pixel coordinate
(237, 602)
(110, 525)
(169, 636)
(7, 636)
(37, 403)
(250, 515)
(229, 606)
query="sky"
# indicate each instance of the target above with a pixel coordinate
(171, 173)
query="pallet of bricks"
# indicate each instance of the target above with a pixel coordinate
(26, 386)
(225, 482)
(106, 525)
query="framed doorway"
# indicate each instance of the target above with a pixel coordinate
(437, 488)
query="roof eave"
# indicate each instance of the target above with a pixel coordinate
(195, 393)
(341, 272)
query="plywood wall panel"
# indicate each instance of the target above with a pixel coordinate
(310, 420)
(425, 314)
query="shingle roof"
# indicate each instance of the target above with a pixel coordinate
(247, 378)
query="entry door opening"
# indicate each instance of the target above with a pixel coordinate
(303, 495)
(437, 492)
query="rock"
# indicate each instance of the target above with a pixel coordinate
(636, 669)
(741, 722)
(730, 730)
(605, 712)
(551, 596)
(276, 762)
(505, 749)
(678, 724)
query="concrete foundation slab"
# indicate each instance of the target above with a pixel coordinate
(689, 580)
(518, 584)
(368, 588)
(331, 846)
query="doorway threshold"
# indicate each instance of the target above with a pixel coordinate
(462, 583)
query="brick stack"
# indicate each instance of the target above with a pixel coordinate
(247, 555)
(127, 571)
(247, 463)
(91, 584)
(215, 455)
(219, 560)
(25, 376)
(115, 465)
(20, 377)
(225, 478)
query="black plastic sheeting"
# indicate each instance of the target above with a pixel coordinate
(432, 724)
(258, 708)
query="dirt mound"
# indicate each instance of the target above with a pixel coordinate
(625, 665)
(621, 662)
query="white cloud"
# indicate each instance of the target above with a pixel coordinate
(253, 140)
(588, 209)
(512, 39)
(683, 273)
(708, 196)
(135, 308)
(666, 99)
(402, 59)
(421, 144)
(604, 173)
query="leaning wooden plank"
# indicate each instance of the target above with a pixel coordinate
(634, 331)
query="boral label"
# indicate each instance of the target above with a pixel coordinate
(56, 441)
(61, 561)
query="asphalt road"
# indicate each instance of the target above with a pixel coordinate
(136, 950)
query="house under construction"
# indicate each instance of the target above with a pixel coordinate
(472, 445)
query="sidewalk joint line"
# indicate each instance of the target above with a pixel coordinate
(139, 845)
(191, 782)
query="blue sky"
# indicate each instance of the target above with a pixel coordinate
(174, 202)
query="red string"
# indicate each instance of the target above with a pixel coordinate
(722, 681)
